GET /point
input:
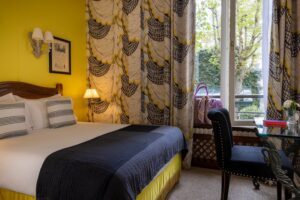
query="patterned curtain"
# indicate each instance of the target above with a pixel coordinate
(284, 72)
(141, 57)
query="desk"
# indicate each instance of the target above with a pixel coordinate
(271, 155)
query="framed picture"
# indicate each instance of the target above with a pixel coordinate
(60, 56)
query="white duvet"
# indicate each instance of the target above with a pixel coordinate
(21, 157)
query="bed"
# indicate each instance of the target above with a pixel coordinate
(31, 164)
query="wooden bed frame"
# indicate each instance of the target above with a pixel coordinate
(29, 91)
(157, 189)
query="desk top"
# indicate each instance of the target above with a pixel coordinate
(264, 131)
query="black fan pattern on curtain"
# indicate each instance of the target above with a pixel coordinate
(141, 62)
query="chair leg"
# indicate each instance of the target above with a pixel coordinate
(225, 185)
(279, 190)
(287, 194)
(255, 183)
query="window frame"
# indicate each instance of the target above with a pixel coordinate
(227, 74)
(228, 43)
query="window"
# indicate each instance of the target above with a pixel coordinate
(229, 56)
(208, 44)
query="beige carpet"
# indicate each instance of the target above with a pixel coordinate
(204, 184)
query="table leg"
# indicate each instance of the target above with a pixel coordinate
(272, 157)
(294, 148)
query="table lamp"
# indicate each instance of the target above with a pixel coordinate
(91, 94)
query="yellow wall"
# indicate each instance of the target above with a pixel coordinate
(65, 19)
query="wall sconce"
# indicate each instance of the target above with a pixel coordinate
(38, 39)
(91, 94)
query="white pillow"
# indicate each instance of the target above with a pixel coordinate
(7, 98)
(29, 124)
(18, 98)
(38, 114)
(37, 111)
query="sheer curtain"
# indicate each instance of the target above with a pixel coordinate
(267, 21)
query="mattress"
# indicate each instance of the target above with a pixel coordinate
(21, 159)
(157, 189)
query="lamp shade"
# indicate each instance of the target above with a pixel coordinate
(48, 37)
(37, 34)
(91, 94)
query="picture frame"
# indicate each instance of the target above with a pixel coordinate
(60, 56)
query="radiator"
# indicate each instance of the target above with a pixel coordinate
(204, 154)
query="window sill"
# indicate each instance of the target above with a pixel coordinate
(234, 128)
(243, 123)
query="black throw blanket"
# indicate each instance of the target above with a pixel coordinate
(114, 166)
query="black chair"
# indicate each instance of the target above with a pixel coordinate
(240, 160)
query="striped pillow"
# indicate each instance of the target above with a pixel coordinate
(60, 113)
(12, 120)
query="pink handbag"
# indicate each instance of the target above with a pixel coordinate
(203, 104)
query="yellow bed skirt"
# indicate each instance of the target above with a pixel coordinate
(157, 189)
